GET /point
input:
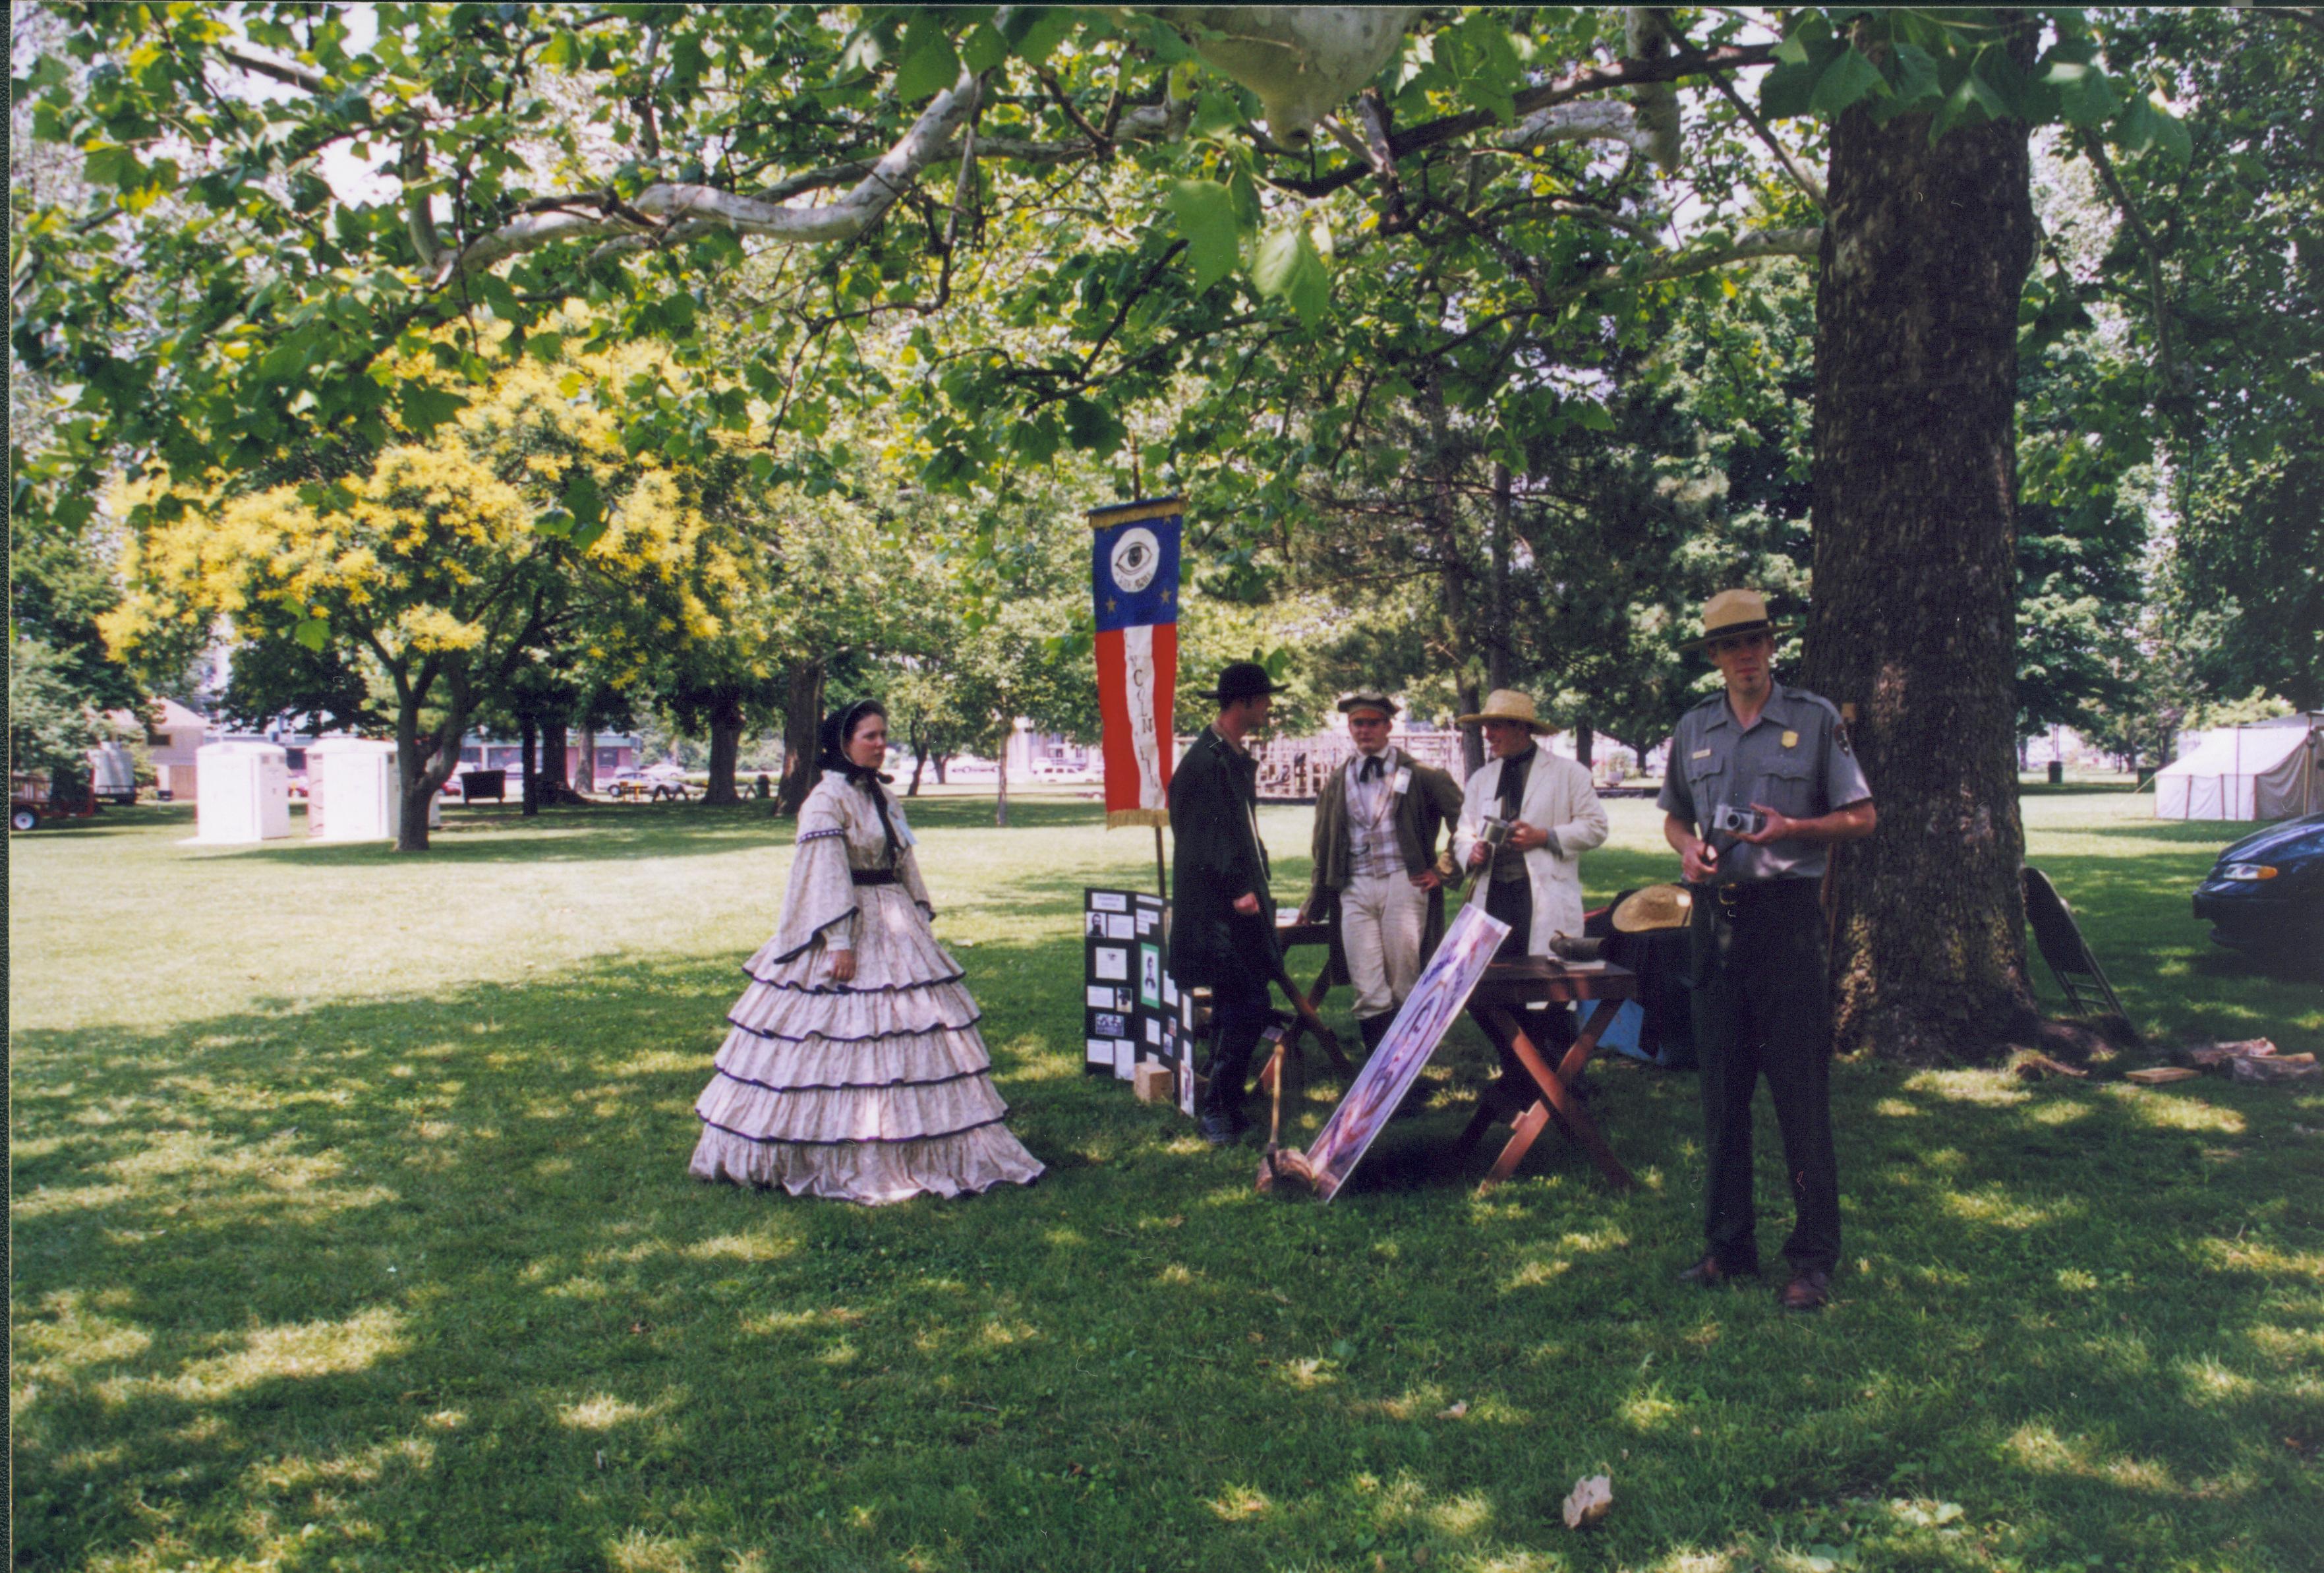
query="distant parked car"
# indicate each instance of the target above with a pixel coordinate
(2265, 894)
(654, 784)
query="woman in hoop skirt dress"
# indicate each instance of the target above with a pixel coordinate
(854, 1069)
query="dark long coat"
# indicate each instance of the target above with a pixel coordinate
(1215, 856)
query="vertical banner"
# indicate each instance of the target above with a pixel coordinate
(1134, 580)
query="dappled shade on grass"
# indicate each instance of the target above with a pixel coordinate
(405, 1271)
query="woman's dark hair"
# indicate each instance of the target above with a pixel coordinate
(839, 726)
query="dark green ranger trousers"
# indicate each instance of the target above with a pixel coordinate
(1762, 1007)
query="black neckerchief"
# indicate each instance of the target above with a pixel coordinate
(1512, 779)
(870, 780)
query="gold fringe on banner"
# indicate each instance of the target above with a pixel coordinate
(1131, 513)
(1115, 819)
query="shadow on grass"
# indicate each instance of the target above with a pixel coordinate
(422, 1282)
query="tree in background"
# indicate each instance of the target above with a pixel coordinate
(51, 727)
(444, 559)
(1239, 290)
(2218, 263)
(273, 676)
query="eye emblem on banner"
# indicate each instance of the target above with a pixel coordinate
(1137, 558)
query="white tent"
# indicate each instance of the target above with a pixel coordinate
(2272, 771)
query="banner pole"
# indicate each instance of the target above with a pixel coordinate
(1161, 868)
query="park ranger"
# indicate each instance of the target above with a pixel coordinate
(1761, 783)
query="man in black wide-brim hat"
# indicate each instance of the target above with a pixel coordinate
(1221, 914)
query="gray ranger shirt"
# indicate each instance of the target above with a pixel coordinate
(1796, 759)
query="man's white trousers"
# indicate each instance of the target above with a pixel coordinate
(1382, 921)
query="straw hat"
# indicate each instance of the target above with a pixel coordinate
(1659, 906)
(1731, 613)
(1508, 705)
(1367, 700)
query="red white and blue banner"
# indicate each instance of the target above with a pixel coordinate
(1134, 578)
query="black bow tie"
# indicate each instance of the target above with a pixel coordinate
(1371, 770)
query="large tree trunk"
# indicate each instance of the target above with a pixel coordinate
(1912, 634)
(802, 728)
(725, 746)
(556, 783)
(423, 763)
(1585, 743)
(529, 744)
(585, 779)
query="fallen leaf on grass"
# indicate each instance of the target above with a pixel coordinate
(1591, 1499)
(1454, 1411)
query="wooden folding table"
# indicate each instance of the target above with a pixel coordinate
(1289, 935)
(1497, 1006)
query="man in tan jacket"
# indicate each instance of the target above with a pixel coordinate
(1379, 878)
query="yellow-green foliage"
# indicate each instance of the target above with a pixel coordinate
(435, 547)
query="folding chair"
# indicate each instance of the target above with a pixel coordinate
(2080, 977)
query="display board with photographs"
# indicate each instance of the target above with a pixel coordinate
(1133, 1009)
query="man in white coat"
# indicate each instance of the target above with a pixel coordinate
(1534, 881)
(1554, 816)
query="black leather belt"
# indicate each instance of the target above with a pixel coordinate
(1733, 900)
(872, 875)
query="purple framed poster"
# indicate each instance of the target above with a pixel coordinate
(1444, 987)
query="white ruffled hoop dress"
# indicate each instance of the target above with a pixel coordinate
(871, 1091)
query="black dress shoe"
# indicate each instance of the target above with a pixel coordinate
(1710, 1270)
(1220, 1128)
(1808, 1291)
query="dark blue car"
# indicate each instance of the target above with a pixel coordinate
(2266, 893)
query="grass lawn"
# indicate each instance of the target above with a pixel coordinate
(351, 1229)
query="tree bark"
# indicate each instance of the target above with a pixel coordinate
(725, 718)
(585, 779)
(1000, 798)
(1585, 743)
(1497, 594)
(1912, 632)
(556, 784)
(529, 746)
(1470, 700)
(423, 763)
(802, 729)
(919, 758)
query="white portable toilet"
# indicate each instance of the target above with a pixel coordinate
(351, 790)
(244, 794)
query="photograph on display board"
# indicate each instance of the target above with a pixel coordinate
(1444, 988)
(1150, 978)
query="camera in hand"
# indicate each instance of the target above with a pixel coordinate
(1737, 821)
